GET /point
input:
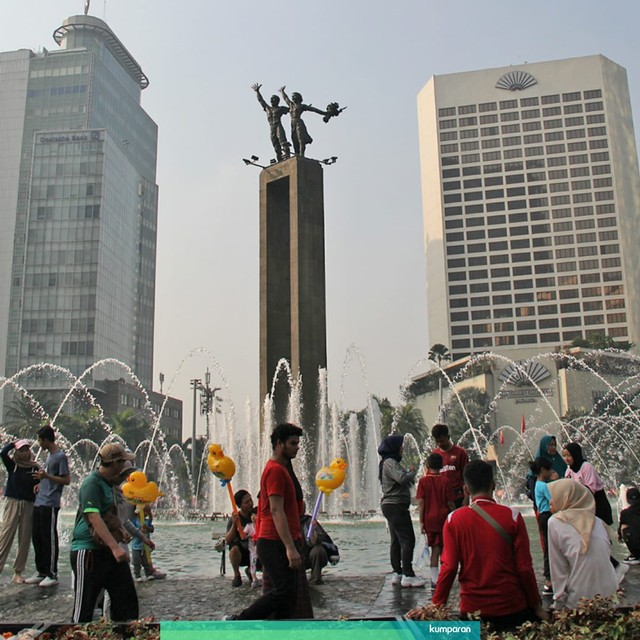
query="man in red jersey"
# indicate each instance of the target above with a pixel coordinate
(279, 539)
(496, 576)
(454, 460)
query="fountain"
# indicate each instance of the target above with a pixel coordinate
(341, 435)
(607, 431)
(550, 391)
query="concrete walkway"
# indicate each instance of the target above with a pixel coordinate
(209, 599)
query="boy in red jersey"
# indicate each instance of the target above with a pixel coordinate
(454, 460)
(435, 501)
(496, 575)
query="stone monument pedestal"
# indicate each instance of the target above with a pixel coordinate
(292, 283)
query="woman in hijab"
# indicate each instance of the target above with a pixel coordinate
(18, 504)
(548, 448)
(396, 497)
(578, 546)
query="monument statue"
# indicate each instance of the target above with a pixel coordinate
(86, 7)
(299, 133)
(274, 115)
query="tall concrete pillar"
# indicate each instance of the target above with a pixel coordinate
(292, 282)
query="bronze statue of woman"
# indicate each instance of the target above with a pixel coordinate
(299, 134)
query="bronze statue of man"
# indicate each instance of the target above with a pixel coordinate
(274, 115)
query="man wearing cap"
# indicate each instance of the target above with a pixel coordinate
(53, 479)
(98, 560)
(18, 504)
(629, 528)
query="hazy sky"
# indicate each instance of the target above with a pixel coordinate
(201, 58)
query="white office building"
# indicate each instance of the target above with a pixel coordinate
(531, 198)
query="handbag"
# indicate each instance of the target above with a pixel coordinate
(114, 524)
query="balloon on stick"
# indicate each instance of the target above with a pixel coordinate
(224, 468)
(327, 479)
(138, 491)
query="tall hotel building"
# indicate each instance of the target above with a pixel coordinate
(78, 205)
(531, 199)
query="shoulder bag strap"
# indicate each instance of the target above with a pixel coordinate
(487, 518)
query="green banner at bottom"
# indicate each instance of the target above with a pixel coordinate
(338, 630)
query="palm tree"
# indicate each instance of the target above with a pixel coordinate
(476, 403)
(26, 414)
(437, 354)
(129, 426)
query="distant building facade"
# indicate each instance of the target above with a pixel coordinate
(531, 194)
(117, 396)
(78, 207)
(500, 392)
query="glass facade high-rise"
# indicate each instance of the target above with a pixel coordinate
(531, 206)
(78, 206)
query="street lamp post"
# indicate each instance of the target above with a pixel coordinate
(196, 385)
(207, 396)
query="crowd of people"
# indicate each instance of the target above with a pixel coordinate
(105, 524)
(469, 535)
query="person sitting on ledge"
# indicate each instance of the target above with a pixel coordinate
(239, 547)
(629, 529)
(319, 551)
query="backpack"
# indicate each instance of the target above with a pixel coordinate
(530, 487)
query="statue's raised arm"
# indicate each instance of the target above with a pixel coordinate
(274, 115)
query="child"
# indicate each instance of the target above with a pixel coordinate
(140, 557)
(542, 468)
(629, 529)
(435, 502)
(249, 532)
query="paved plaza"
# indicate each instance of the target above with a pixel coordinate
(208, 599)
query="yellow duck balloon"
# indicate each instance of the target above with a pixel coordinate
(137, 490)
(331, 477)
(222, 467)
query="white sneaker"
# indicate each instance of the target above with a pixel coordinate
(413, 581)
(36, 578)
(621, 571)
(396, 578)
(48, 582)
(631, 560)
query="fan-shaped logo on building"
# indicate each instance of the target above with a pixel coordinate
(524, 373)
(516, 81)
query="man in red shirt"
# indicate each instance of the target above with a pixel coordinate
(279, 537)
(496, 576)
(454, 460)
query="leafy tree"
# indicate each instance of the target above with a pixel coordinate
(601, 341)
(476, 403)
(84, 423)
(438, 353)
(130, 426)
(23, 417)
